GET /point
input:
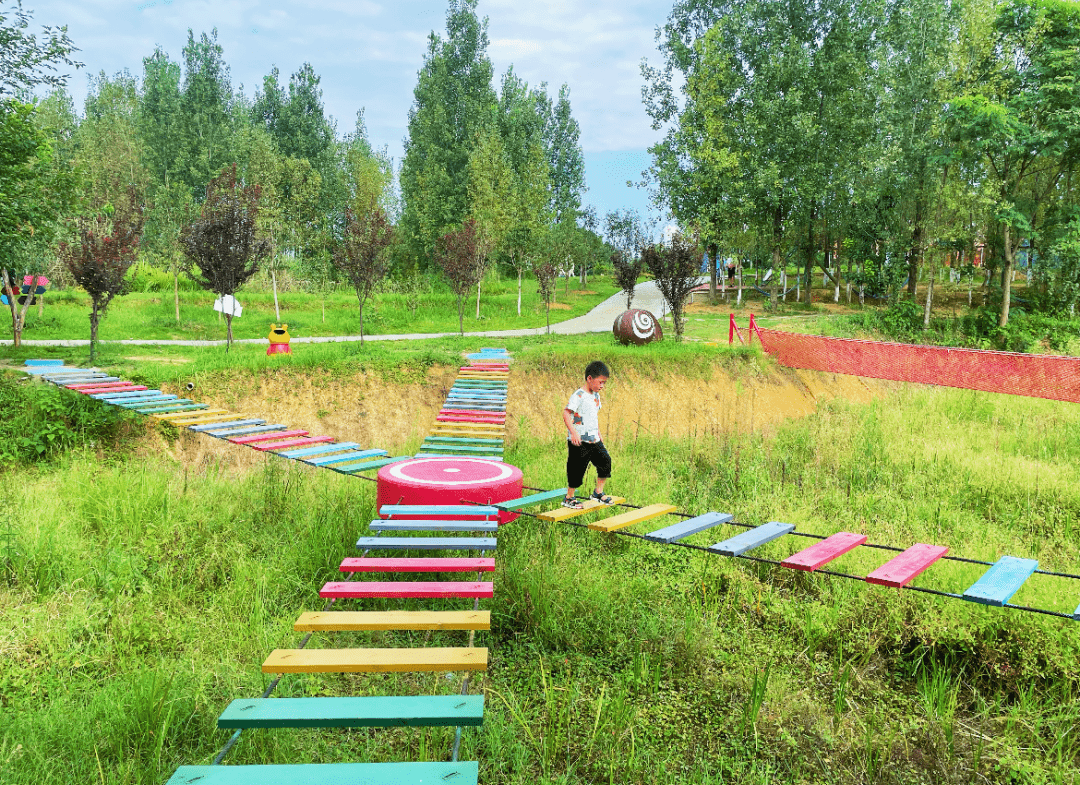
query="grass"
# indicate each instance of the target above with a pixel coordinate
(139, 596)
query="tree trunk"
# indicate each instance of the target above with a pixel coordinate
(929, 295)
(519, 291)
(16, 328)
(176, 292)
(778, 234)
(810, 254)
(93, 332)
(547, 315)
(478, 299)
(277, 311)
(228, 332)
(1006, 274)
(738, 297)
(915, 253)
(461, 313)
(713, 265)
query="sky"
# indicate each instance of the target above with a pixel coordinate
(368, 53)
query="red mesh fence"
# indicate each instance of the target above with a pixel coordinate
(1038, 376)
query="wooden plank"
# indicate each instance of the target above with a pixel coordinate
(359, 621)
(451, 432)
(460, 773)
(131, 403)
(399, 711)
(423, 660)
(354, 455)
(587, 505)
(176, 406)
(430, 454)
(1076, 614)
(127, 388)
(404, 590)
(691, 526)
(821, 553)
(463, 449)
(429, 564)
(321, 449)
(1001, 581)
(462, 440)
(267, 437)
(536, 498)
(219, 425)
(286, 444)
(907, 566)
(226, 433)
(107, 383)
(457, 510)
(137, 405)
(468, 418)
(205, 419)
(148, 395)
(369, 465)
(748, 540)
(183, 415)
(625, 519)
(399, 525)
(426, 543)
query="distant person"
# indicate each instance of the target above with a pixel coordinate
(583, 441)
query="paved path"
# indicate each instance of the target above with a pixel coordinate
(600, 319)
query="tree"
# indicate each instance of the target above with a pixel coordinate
(458, 256)
(222, 244)
(627, 271)
(101, 256)
(566, 161)
(676, 269)
(205, 108)
(491, 196)
(362, 256)
(108, 146)
(26, 62)
(159, 119)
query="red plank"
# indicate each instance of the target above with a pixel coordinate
(481, 412)
(288, 444)
(909, 565)
(449, 564)
(824, 552)
(405, 589)
(486, 368)
(469, 418)
(266, 437)
(127, 388)
(103, 385)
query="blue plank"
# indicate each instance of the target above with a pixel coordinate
(120, 396)
(464, 449)
(217, 426)
(692, 526)
(52, 373)
(153, 396)
(398, 711)
(43, 363)
(457, 510)
(369, 465)
(319, 449)
(536, 498)
(355, 455)
(1001, 581)
(164, 409)
(461, 773)
(401, 525)
(741, 543)
(426, 543)
(1076, 614)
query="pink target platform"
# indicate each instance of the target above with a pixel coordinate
(449, 481)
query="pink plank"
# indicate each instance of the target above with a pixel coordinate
(480, 412)
(126, 388)
(288, 444)
(88, 385)
(824, 552)
(357, 564)
(405, 589)
(903, 569)
(486, 368)
(266, 437)
(471, 417)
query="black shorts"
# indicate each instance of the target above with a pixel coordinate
(578, 458)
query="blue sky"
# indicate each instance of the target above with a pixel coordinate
(368, 54)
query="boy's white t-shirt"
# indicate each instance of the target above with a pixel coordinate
(586, 408)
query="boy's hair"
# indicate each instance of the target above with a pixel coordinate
(596, 368)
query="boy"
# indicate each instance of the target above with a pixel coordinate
(583, 441)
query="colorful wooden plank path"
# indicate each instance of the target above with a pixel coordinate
(460, 773)
(345, 457)
(820, 554)
(678, 531)
(625, 519)
(756, 537)
(286, 444)
(397, 564)
(587, 505)
(404, 590)
(267, 437)
(907, 566)
(430, 660)
(359, 621)
(320, 449)
(1001, 581)
(354, 712)
(402, 525)
(426, 543)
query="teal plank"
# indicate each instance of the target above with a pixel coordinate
(426, 543)
(462, 440)
(147, 404)
(461, 773)
(741, 543)
(44, 363)
(166, 409)
(536, 498)
(399, 525)
(217, 426)
(461, 448)
(368, 465)
(227, 431)
(424, 454)
(131, 403)
(319, 450)
(120, 396)
(456, 510)
(353, 712)
(692, 526)
(1001, 581)
(355, 455)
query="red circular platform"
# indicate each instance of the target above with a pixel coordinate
(449, 481)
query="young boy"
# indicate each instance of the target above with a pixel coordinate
(583, 441)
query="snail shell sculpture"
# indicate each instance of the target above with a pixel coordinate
(637, 326)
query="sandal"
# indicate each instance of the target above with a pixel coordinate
(572, 503)
(602, 498)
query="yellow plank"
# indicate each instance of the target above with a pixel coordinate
(562, 513)
(376, 660)
(209, 418)
(327, 621)
(630, 518)
(182, 415)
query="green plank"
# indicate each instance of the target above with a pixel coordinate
(461, 440)
(366, 465)
(462, 773)
(353, 712)
(536, 498)
(462, 448)
(164, 409)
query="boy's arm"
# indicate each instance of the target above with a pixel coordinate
(568, 418)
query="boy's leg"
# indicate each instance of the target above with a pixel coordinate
(601, 459)
(577, 461)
